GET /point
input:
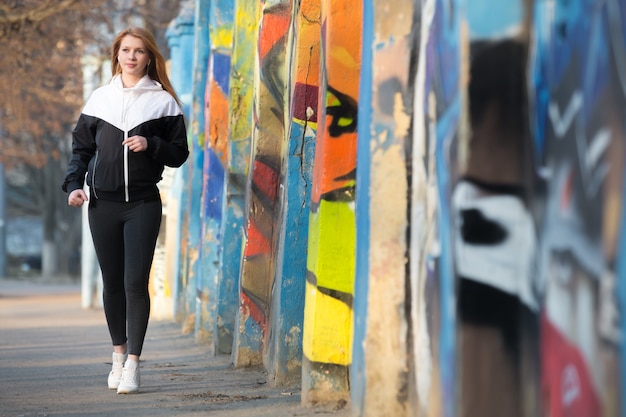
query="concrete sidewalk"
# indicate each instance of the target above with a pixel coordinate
(55, 358)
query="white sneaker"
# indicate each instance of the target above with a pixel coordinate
(130, 378)
(116, 370)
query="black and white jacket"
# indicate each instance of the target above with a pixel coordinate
(112, 114)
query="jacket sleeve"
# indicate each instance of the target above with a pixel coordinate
(83, 150)
(171, 149)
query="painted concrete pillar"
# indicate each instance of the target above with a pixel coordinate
(200, 253)
(437, 121)
(380, 380)
(284, 356)
(215, 161)
(497, 315)
(578, 95)
(473, 234)
(263, 197)
(240, 102)
(180, 36)
(327, 338)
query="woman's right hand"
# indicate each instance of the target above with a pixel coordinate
(77, 198)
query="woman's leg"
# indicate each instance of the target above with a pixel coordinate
(141, 231)
(107, 231)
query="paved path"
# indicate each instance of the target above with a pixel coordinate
(55, 357)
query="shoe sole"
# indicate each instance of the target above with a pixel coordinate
(128, 391)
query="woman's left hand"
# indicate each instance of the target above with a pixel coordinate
(136, 143)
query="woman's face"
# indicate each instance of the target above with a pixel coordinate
(133, 57)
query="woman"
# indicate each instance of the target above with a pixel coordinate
(128, 130)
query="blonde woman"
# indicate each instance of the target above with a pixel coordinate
(127, 132)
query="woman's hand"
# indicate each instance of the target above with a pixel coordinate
(136, 143)
(77, 198)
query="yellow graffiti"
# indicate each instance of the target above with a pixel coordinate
(241, 88)
(327, 328)
(222, 37)
(333, 261)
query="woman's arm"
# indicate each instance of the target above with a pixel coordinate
(172, 149)
(83, 149)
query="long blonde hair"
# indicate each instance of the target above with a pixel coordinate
(156, 68)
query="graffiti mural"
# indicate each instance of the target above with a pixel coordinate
(463, 254)
(180, 36)
(495, 239)
(578, 95)
(241, 92)
(327, 339)
(436, 128)
(263, 201)
(194, 288)
(220, 307)
(285, 345)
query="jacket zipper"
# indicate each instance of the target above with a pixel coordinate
(125, 127)
(126, 197)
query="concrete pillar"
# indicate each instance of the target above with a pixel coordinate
(201, 267)
(180, 38)
(241, 95)
(380, 378)
(576, 99)
(216, 133)
(180, 35)
(328, 314)
(437, 121)
(263, 202)
(284, 357)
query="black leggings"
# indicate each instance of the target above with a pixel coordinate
(124, 236)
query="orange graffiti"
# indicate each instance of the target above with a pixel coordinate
(337, 148)
(274, 26)
(217, 120)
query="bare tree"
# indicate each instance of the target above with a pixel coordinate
(42, 43)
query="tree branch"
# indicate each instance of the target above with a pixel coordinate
(36, 14)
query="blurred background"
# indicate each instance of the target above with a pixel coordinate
(47, 49)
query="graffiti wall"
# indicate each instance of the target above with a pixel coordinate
(411, 208)
(219, 308)
(263, 202)
(241, 88)
(495, 238)
(287, 315)
(327, 339)
(577, 92)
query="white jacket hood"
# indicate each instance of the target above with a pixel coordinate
(126, 108)
(145, 83)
